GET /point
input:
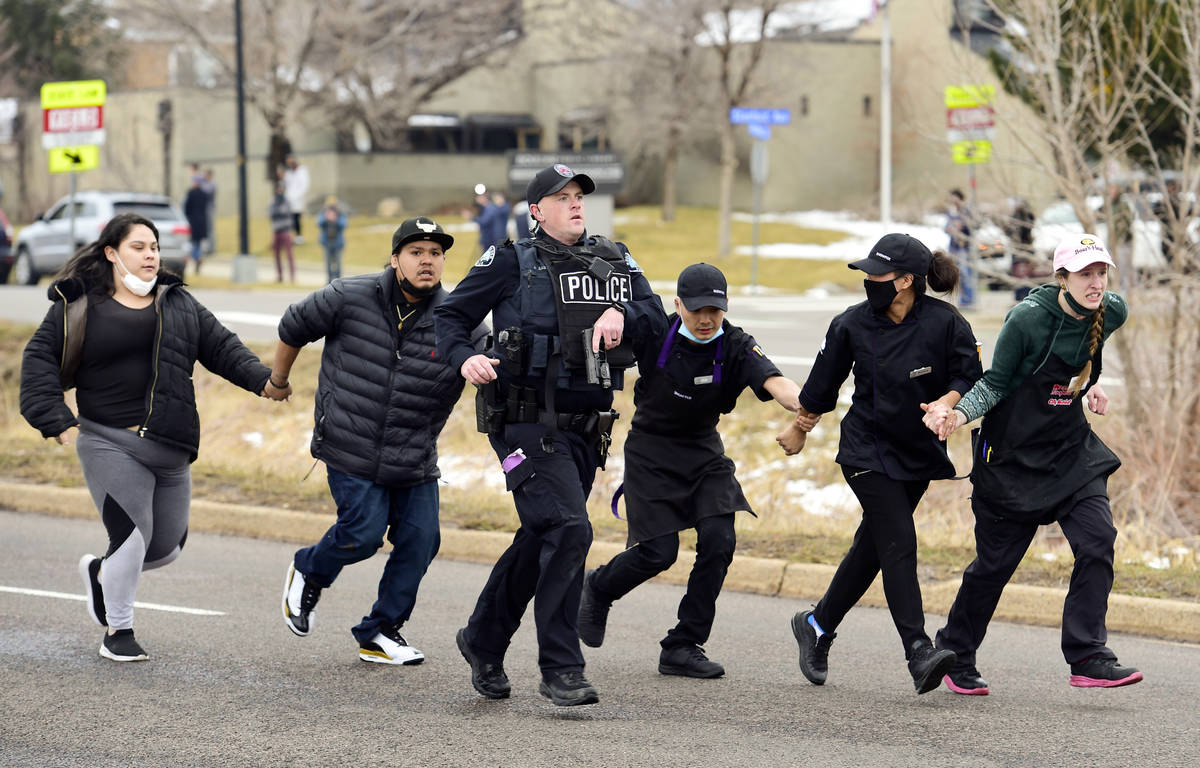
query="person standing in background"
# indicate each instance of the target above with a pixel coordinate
(280, 213)
(296, 183)
(210, 188)
(960, 226)
(331, 223)
(195, 209)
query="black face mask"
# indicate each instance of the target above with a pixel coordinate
(880, 295)
(1075, 305)
(412, 290)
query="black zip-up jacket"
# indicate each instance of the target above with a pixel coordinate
(187, 333)
(897, 366)
(382, 397)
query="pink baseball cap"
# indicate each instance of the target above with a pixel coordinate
(1079, 251)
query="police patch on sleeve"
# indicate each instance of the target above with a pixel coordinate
(758, 351)
(487, 258)
(633, 265)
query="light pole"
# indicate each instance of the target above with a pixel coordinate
(244, 266)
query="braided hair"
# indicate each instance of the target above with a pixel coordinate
(1095, 334)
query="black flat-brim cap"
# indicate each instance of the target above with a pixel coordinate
(420, 228)
(553, 178)
(896, 252)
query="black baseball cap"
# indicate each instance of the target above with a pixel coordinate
(702, 285)
(420, 228)
(553, 178)
(902, 253)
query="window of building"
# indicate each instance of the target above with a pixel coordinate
(584, 130)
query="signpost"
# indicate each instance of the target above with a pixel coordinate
(970, 129)
(758, 122)
(72, 130)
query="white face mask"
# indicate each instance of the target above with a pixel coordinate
(136, 285)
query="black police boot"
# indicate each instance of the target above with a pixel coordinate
(593, 613)
(567, 689)
(488, 679)
(928, 665)
(688, 661)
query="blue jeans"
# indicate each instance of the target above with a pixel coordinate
(333, 263)
(366, 511)
(966, 278)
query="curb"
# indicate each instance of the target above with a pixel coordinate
(1176, 620)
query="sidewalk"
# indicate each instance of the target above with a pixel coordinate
(1175, 620)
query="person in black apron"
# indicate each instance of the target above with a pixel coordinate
(905, 349)
(1037, 461)
(677, 475)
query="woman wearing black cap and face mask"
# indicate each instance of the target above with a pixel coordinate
(905, 348)
(677, 476)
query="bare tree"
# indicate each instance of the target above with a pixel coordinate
(737, 63)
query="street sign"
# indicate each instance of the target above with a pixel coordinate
(72, 159)
(757, 116)
(971, 151)
(759, 131)
(958, 96)
(77, 93)
(73, 113)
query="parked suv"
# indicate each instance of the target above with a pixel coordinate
(43, 247)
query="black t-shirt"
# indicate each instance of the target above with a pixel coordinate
(117, 363)
(685, 397)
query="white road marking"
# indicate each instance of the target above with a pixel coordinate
(82, 598)
(791, 359)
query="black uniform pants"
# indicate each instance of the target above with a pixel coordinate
(545, 561)
(715, 542)
(886, 540)
(999, 546)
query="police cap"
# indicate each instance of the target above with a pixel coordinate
(553, 178)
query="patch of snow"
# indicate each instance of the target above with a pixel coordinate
(253, 438)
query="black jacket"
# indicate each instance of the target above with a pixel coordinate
(382, 398)
(897, 366)
(187, 333)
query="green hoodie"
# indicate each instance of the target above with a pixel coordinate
(1021, 347)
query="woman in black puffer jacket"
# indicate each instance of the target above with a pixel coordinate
(126, 337)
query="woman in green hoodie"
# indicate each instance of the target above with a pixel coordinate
(1037, 461)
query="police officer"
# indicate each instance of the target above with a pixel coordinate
(905, 349)
(545, 400)
(677, 475)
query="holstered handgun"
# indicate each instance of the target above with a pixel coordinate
(595, 363)
(489, 414)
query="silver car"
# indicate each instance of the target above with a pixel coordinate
(43, 247)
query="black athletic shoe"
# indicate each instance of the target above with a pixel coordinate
(688, 661)
(1097, 672)
(488, 679)
(593, 613)
(814, 651)
(568, 689)
(965, 679)
(928, 665)
(120, 646)
(89, 569)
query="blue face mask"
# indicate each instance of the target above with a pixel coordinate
(685, 333)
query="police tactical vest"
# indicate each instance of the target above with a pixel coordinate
(581, 291)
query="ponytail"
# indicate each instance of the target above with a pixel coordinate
(942, 276)
(1095, 332)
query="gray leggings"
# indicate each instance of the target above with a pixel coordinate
(143, 490)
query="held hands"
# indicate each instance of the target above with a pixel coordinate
(806, 420)
(792, 439)
(609, 327)
(479, 369)
(941, 419)
(1097, 400)
(279, 394)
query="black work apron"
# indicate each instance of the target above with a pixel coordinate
(672, 481)
(1036, 449)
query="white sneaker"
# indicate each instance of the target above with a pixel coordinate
(389, 648)
(299, 601)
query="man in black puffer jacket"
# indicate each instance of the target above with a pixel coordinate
(383, 396)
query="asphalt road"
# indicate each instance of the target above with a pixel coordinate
(238, 689)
